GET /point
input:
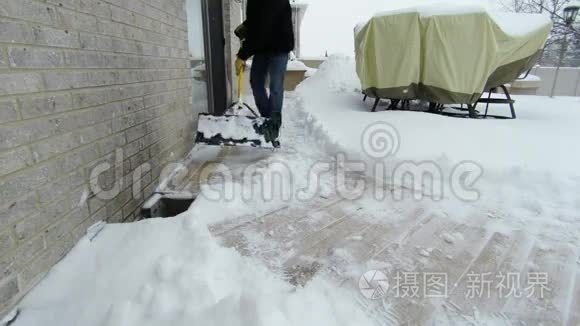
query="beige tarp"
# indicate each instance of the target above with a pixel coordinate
(446, 58)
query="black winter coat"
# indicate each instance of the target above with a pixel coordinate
(269, 28)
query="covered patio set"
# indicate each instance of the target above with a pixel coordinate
(453, 58)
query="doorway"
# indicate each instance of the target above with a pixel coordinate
(207, 57)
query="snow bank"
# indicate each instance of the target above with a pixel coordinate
(545, 128)
(296, 65)
(172, 272)
(530, 170)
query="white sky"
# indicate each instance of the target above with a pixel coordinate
(329, 24)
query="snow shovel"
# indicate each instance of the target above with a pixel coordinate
(240, 126)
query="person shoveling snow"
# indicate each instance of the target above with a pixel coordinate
(268, 36)
(269, 39)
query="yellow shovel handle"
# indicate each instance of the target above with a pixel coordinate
(241, 84)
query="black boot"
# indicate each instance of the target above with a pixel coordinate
(272, 129)
(276, 119)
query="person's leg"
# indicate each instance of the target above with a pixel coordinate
(277, 70)
(258, 76)
(278, 65)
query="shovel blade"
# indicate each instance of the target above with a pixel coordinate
(232, 130)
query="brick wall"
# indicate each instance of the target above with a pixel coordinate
(82, 83)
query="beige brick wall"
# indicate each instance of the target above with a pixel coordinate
(82, 83)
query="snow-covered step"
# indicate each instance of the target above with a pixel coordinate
(514, 263)
(275, 217)
(273, 238)
(403, 259)
(295, 231)
(457, 255)
(282, 238)
(483, 270)
(358, 248)
(447, 255)
(574, 309)
(401, 312)
(416, 242)
(547, 286)
(372, 239)
(312, 246)
(322, 243)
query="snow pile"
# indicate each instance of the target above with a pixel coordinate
(545, 129)
(527, 171)
(520, 24)
(297, 65)
(172, 272)
(294, 65)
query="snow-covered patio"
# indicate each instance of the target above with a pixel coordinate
(505, 205)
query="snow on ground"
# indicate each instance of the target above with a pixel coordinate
(529, 166)
(174, 272)
(545, 126)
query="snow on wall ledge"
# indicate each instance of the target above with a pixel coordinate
(185, 278)
(80, 82)
(529, 171)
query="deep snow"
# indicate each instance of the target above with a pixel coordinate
(529, 165)
(161, 272)
(172, 272)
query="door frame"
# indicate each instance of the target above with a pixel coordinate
(215, 59)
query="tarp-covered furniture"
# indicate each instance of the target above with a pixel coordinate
(446, 55)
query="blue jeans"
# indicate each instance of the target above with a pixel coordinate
(274, 65)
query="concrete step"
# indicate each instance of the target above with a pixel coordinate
(512, 266)
(276, 236)
(477, 287)
(574, 309)
(425, 252)
(557, 262)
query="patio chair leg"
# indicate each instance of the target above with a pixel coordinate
(376, 104)
(365, 98)
(511, 103)
(487, 105)
(472, 113)
(433, 107)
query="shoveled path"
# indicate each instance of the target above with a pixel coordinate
(341, 239)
